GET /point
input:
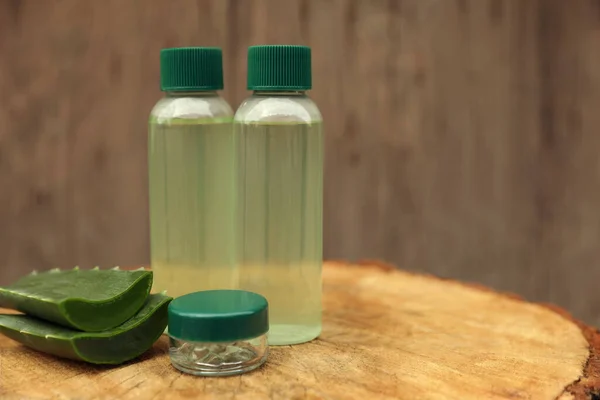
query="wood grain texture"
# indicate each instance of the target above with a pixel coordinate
(387, 334)
(460, 135)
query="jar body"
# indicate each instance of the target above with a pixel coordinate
(218, 359)
(280, 190)
(191, 157)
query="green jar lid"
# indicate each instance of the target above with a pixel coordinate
(218, 316)
(187, 69)
(279, 67)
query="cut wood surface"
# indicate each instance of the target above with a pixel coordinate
(387, 334)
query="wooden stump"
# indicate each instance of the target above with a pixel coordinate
(387, 334)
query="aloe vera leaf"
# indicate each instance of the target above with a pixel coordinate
(115, 346)
(89, 300)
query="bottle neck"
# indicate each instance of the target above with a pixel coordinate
(199, 93)
(286, 93)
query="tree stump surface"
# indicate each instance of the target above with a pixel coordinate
(387, 334)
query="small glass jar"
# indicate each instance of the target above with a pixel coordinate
(218, 332)
(227, 358)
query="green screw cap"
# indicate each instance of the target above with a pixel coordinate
(279, 67)
(218, 316)
(191, 69)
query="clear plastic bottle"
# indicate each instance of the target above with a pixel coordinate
(191, 153)
(280, 145)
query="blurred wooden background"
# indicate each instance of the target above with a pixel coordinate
(462, 136)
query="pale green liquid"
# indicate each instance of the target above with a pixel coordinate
(280, 224)
(192, 206)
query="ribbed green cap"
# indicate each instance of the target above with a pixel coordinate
(191, 69)
(218, 316)
(279, 67)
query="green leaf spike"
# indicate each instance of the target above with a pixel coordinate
(87, 300)
(115, 346)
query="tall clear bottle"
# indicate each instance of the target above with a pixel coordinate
(192, 175)
(280, 144)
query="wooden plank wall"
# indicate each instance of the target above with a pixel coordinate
(461, 135)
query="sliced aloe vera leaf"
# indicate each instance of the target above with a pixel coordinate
(115, 346)
(89, 300)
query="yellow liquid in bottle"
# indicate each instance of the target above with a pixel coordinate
(246, 217)
(280, 224)
(192, 205)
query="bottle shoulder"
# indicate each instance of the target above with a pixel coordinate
(301, 109)
(192, 107)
